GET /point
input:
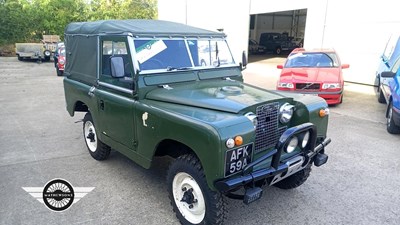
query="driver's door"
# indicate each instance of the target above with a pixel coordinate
(115, 94)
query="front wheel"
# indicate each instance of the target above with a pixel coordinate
(191, 198)
(296, 179)
(97, 149)
(391, 127)
(278, 51)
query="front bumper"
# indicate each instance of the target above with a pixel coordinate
(279, 170)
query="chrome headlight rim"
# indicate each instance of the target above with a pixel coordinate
(286, 113)
(253, 118)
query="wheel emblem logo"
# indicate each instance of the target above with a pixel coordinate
(58, 195)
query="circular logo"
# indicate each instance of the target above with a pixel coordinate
(58, 195)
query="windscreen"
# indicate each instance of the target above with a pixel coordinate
(181, 54)
(313, 59)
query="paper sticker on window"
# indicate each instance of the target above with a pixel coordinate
(150, 49)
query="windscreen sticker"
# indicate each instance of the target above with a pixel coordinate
(150, 49)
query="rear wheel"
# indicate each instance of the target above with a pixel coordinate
(390, 125)
(191, 198)
(296, 179)
(97, 149)
(47, 55)
(381, 97)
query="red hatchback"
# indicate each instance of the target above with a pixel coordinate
(314, 72)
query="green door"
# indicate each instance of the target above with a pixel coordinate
(115, 94)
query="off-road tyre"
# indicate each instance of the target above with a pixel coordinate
(391, 127)
(381, 97)
(188, 168)
(296, 179)
(97, 149)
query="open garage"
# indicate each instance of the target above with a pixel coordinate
(359, 33)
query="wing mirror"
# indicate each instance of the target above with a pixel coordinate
(279, 67)
(388, 74)
(243, 64)
(117, 67)
(345, 66)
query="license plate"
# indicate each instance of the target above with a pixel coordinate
(237, 159)
(310, 94)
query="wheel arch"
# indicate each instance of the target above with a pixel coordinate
(173, 148)
(78, 106)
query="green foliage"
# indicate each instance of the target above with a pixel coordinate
(28, 20)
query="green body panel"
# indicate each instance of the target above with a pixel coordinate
(115, 115)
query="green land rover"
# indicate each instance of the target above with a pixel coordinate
(156, 88)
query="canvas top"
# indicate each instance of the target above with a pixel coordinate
(138, 27)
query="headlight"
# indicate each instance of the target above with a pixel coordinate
(253, 118)
(285, 85)
(292, 145)
(230, 143)
(331, 86)
(61, 62)
(305, 140)
(286, 112)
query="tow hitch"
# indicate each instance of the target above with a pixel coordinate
(252, 194)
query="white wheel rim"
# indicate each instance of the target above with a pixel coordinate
(184, 181)
(89, 128)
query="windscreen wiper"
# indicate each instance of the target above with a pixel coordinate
(216, 55)
(170, 68)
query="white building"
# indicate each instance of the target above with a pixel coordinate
(358, 30)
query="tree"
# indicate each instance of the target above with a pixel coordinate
(28, 20)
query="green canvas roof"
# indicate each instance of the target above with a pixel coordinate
(138, 28)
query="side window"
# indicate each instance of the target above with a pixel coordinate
(396, 66)
(116, 49)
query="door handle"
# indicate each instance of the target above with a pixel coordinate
(101, 104)
(91, 91)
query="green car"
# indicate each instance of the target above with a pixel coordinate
(156, 88)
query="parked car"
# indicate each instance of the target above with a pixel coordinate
(387, 62)
(255, 48)
(146, 94)
(313, 72)
(390, 89)
(60, 63)
(277, 42)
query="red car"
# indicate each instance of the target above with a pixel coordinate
(314, 72)
(60, 63)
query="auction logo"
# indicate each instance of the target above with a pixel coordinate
(58, 194)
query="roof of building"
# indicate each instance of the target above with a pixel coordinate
(138, 27)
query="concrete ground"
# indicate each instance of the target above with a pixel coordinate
(39, 141)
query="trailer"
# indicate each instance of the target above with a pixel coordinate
(39, 51)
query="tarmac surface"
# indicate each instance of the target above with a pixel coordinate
(39, 141)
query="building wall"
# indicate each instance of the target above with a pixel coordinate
(358, 30)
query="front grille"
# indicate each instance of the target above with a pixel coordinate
(267, 131)
(307, 86)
